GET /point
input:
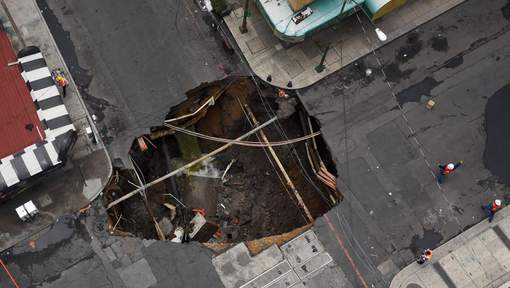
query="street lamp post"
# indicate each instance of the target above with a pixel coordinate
(319, 68)
(243, 27)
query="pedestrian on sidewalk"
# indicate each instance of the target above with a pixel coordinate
(491, 208)
(445, 170)
(425, 256)
(59, 78)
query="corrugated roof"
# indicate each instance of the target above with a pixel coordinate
(19, 124)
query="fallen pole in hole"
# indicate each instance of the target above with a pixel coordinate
(280, 166)
(194, 162)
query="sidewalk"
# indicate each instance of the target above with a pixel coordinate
(88, 166)
(266, 55)
(301, 262)
(478, 257)
(33, 30)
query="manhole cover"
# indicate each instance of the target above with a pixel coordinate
(413, 285)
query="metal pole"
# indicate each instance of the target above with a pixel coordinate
(319, 68)
(343, 7)
(280, 166)
(194, 162)
(243, 28)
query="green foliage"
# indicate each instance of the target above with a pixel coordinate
(219, 6)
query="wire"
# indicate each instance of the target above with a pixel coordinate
(413, 134)
(242, 142)
(273, 165)
(305, 174)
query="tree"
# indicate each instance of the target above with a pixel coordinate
(219, 6)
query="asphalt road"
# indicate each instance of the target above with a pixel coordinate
(386, 144)
(135, 60)
(393, 206)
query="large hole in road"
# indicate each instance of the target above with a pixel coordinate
(241, 193)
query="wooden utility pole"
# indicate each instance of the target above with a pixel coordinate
(280, 165)
(190, 164)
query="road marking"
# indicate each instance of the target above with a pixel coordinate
(9, 274)
(346, 252)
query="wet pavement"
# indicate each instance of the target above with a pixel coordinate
(387, 144)
(77, 251)
(42, 257)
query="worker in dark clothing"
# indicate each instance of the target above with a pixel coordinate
(445, 170)
(491, 208)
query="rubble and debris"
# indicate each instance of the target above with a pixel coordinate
(240, 194)
(430, 104)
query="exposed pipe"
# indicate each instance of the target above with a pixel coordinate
(190, 164)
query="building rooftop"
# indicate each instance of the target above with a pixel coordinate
(19, 123)
(293, 25)
(280, 14)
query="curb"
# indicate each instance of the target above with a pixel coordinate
(80, 99)
(399, 280)
(371, 48)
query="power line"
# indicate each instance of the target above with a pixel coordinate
(242, 142)
(302, 170)
(413, 134)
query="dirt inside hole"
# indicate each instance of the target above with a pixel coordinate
(242, 192)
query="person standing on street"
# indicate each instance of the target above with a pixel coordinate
(445, 170)
(60, 79)
(425, 256)
(491, 208)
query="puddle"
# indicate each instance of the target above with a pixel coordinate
(62, 230)
(414, 92)
(394, 74)
(430, 240)
(496, 152)
(439, 43)
(411, 49)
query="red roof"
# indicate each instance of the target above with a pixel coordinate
(18, 117)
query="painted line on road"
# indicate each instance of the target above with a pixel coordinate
(346, 252)
(9, 274)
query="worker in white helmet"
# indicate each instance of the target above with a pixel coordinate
(445, 170)
(491, 208)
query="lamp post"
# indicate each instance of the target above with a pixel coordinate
(380, 34)
(243, 27)
(319, 68)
